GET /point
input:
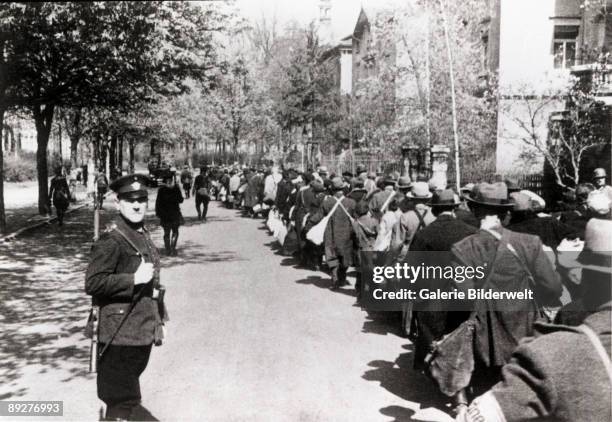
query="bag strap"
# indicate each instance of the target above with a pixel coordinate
(421, 219)
(599, 348)
(387, 202)
(344, 209)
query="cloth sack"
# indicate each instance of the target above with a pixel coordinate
(317, 233)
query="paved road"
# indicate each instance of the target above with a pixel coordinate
(251, 338)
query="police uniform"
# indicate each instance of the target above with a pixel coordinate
(130, 319)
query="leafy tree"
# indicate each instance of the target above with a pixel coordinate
(101, 54)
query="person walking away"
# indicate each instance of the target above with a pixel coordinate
(186, 180)
(432, 318)
(366, 230)
(563, 373)
(514, 262)
(168, 209)
(123, 279)
(313, 254)
(101, 187)
(201, 191)
(338, 237)
(59, 192)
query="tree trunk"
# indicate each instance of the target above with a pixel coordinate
(74, 143)
(18, 145)
(2, 214)
(120, 154)
(112, 153)
(43, 119)
(131, 155)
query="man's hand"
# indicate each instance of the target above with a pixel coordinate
(144, 273)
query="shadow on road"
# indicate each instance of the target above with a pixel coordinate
(44, 307)
(399, 378)
(195, 253)
(383, 323)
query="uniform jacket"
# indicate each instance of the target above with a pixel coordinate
(555, 376)
(339, 239)
(501, 330)
(110, 282)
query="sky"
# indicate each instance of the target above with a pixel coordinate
(344, 13)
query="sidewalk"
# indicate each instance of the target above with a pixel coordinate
(21, 205)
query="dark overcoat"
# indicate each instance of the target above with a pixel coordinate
(503, 323)
(167, 205)
(432, 317)
(339, 238)
(110, 282)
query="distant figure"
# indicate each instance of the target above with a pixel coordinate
(101, 188)
(201, 190)
(167, 208)
(59, 192)
(186, 180)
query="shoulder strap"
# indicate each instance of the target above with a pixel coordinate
(387, 202)
(421, 219)
(344, 209)
(127, 239)
(599, 348)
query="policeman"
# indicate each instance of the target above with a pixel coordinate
(123, 280)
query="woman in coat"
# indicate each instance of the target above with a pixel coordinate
(167, 208)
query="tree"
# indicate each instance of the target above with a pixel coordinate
(571, 133)
(106, 54)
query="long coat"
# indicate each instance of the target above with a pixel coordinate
(557, 375)
(110, 282)
(433, 321)
(254, 191)
(167, 205)
(304, 202)
(339, 238)
(500, 331)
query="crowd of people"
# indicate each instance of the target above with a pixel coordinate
(498, 224)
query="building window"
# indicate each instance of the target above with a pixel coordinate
(564, 46)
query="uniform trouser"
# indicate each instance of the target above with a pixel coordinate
(200, 201)
(119, 371)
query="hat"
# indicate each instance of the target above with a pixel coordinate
(337, 183)
(361, 168)
(436, 183)
(599, 173)
(537, 202)
(420, 190)
(512, 184)
(372, 175)
(445, 198)
(521, 202)
(490, 194)
(597, 252)
(347, 174)
(467, 188)
(357, 185)
(317, 186)
(404, 182)
(132, 186)
(389, 181)
(361, 208)
(598, 202)
(322, 169)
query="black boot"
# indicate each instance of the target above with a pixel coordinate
(335, 281)
(167, 245)
(173, 246)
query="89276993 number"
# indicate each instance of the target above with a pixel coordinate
(31, 408)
